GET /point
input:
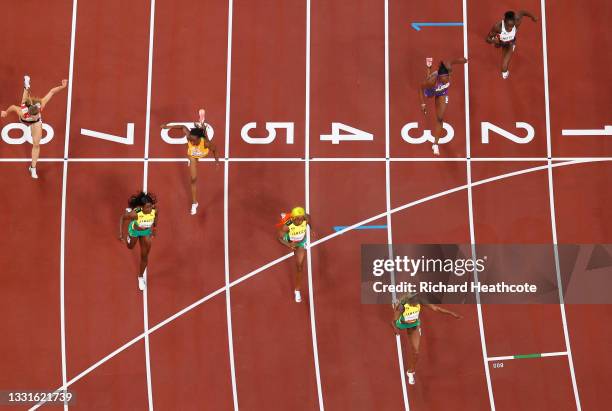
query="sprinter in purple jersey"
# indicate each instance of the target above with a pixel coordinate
(436, 85)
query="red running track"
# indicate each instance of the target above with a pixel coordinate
(252, 346)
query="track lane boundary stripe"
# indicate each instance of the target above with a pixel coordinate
(64, 192)
(145, 181)
(313, 322)
(299, 159)
(389, 228)
(228, 299)
(468, 165)
(553, 220)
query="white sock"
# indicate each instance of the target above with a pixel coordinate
(141, 283)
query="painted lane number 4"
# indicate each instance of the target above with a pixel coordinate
(342, 132)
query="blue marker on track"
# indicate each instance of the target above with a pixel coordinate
(417, 26)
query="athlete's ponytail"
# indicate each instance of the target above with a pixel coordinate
(141, 198)
(33, 105)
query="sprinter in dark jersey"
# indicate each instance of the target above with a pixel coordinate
(436, 85)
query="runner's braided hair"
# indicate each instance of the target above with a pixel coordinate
(442, 69)
(141, 198)
(199, 131)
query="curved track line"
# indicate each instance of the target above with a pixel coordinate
(313, 244)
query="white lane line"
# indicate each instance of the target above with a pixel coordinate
(145, 179)
(553, 220)
(299, 159)
(483, 341)
(228, 299)
(398, 340)
(503, 358)
(513, 357)
(64, 190)
(554, 354)
(311, 245)
(313, 322)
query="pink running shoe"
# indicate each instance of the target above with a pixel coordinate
(202, 115)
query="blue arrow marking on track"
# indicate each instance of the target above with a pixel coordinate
(361, 227)
(417, 26)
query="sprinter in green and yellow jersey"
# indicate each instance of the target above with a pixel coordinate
(407, 317)
(141, 219)
(292, 234)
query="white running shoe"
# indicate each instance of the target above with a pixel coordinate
(429, 61)
(141, 283)
(298, 296)
(26, 82)
(194, 208)
(410, 378)
(128, 210)
(505, 74)
(32, 171)
(436, 149)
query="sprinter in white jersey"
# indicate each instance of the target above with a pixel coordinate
(503, 35)
(29, 113)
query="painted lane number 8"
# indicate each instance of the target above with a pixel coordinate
(26, 135)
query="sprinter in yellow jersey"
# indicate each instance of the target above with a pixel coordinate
(292, 234)
(141, 219)
(407, 317)
(198, 146)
